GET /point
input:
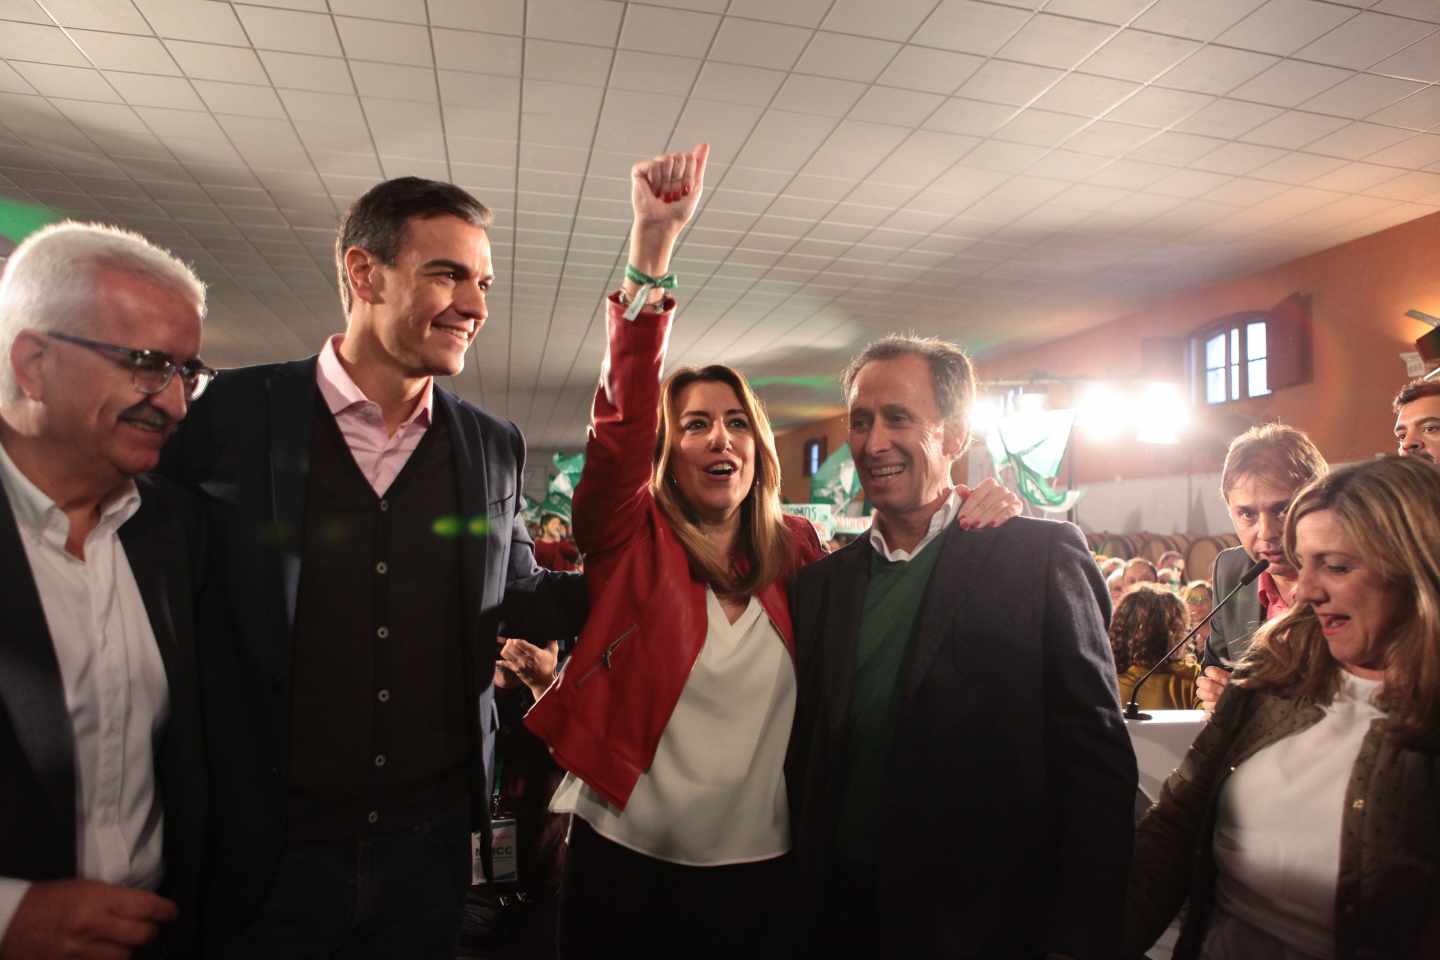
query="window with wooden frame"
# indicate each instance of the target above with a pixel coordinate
(1251, 354)
(814, 456)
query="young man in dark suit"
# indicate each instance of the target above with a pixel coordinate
(960, 779)
(365, 525)
(102, 797)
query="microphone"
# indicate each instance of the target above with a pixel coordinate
(1132, 709)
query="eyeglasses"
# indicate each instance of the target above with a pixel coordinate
(150, 370)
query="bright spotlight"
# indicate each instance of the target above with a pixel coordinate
(985, 416)
(1103, 412)
(1164, 414)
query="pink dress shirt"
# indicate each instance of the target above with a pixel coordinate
(379, 455)
(1272, 602)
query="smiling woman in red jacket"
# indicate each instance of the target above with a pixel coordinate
(673, 714)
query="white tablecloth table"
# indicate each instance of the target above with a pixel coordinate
(1160, 744)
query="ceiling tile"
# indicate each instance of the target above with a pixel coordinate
(1293, 129)
(1040, 127)
(1361, 96)
(403, 129)
(1056, 41)
(1421, 112)
(142, 90)
(1132, 174)
(25, 11)
(1299, 168)
(1109, 139)
(1004, 157)
(1418, 9)
(937, 71)
(1069, 165)
(732, 83)
(290, 31)
(119, 16)
(687, 34)
(409, 11)
(1176, 148)
(240, 99)
(1413, 153)
(1106, 11)
(1420, 62)
(1229, 119)
(477, 52)
(377, 40)
(115, 51)
(1138, 56)
(1363, 41)
(959, 115)
(800, 13)
(209, 61)
(1158, 107)
(12, 82)
(891, 105)
(394, 82)
(971, 27)
(199, 20)
(1411, 186)
(303, 72)
(1214, 69)
(330, 122)
(577, 21)
(1012, 83)
(1189, 183)
(39, 44)
(853, 149)
(1085, 95)
(1284, 26)
(892, 20)
(846, 58)
(1197, 21)
(1244, 193)
(1356, 177)
(784, 141)
(1290, 83)
(496, 16)
(758, 44)
(1358, 140)
(73, 83)
(637, 71)
(922, 157)
(568, 62)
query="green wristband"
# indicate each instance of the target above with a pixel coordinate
(647, 283)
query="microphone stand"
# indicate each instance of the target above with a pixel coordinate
(1132, 708)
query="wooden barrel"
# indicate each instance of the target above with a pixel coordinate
(1200, 556)
(1156, 544)
(1117, 545)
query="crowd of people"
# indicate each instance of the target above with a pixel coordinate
(265, 629)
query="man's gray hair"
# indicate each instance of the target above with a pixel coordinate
(951, 372)
(49, 281)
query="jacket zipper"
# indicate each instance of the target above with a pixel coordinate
(605, 657)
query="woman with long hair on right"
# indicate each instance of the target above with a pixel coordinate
(1303, 822)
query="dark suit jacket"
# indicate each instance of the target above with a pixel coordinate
(245, 449)
(1233, 627)
(37, 749)
(1008, 813)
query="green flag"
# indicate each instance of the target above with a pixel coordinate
(19, 220)
(837, 482)
(1033, 445)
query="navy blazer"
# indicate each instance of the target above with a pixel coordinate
(163, 544)
(1008, 810)
(245, 449)
(1234, 626)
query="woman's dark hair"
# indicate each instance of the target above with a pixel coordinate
(377, 221)
(1148, 621)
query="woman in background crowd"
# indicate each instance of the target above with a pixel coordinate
(1147, 622)
(1310, 797)
(1199, 599)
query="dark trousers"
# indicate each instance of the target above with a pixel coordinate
(849, 920)
(615, 902)
(392, 895)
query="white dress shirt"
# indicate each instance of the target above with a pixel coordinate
(938, 522)
(114, 682)
(715, 792)
(1277, 832)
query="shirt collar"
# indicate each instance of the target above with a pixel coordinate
(42, 519)
(939, 520)
(341, 393)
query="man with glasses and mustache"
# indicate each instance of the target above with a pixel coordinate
(366, 522)
(101, 795)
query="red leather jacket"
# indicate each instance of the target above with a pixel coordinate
(603, 718)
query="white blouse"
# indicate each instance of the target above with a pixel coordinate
(1277, 830)
(715, 792)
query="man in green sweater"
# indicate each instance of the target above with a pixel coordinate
(960, 780)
